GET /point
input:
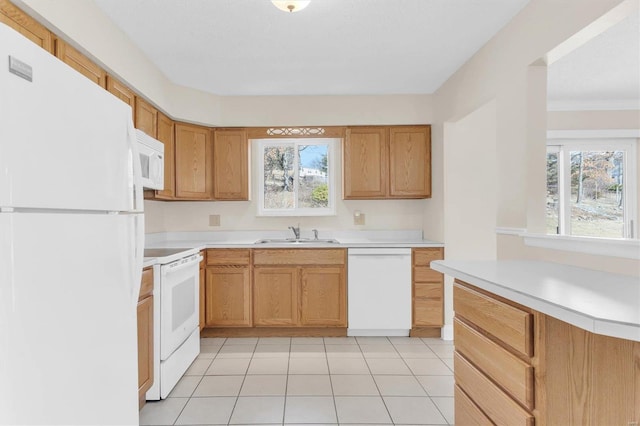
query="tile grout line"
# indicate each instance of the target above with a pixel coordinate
(333, 394)
(374, 380)
(235, 404)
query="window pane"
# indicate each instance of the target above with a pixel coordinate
(553, 206)
(597, 204)
(278, 177)
(313, 190)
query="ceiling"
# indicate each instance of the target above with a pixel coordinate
(604, 73)
(333, 47)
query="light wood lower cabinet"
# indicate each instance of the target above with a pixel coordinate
(300, 287)
(145, 335)
(517, 366)
(228, 288)
(427, 292)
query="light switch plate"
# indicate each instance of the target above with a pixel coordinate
(214, 220)
(358, 220)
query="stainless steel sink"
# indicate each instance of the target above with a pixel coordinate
(297, 241)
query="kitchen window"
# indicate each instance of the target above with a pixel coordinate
(296, 177)
(591, 188)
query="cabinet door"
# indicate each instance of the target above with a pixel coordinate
(145, 345)
(410, 162)
(230, 165)
(193, 162)
(228, 297)
(26, 25)
(80, 63)
(323, 298)
(166, 135)
(365, 173)
(146, 117)
(275, 300)
(122, 92)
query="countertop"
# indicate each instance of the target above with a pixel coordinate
(247, 239)
(596, 301)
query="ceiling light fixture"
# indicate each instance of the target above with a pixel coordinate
(291, 5)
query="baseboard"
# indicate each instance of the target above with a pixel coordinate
(274, 332)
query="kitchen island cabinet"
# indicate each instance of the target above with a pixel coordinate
(145, 335)
(541, 343)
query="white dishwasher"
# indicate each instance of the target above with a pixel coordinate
(379, 291)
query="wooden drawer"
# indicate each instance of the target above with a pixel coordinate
(228, 256)
(426, 274)
(423, 257)
(427, 312)
(508, 323)
(498, 406)
(146, 287)
(428, 291)
(299, 256)
(509, 371)
(468, 413)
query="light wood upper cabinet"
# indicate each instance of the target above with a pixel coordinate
(323, 297)
(194, 162)
(384, 162)
(365, 151)
(26, 25)
(409, 162)
(166, 135)
(230, 165)
(146, 117)
(122, 92)
(80, 63)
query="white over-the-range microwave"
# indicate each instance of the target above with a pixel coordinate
(152, 160)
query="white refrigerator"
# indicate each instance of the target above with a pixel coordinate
(71, 244)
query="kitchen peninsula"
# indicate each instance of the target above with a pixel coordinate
(562, 342)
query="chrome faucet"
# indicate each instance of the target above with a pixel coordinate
(296, 231)
(315, 234)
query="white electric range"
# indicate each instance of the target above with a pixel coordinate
(175, 316)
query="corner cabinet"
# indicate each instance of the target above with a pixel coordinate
(383, 162)
(193, 162)
(145, 335)
(299, 288)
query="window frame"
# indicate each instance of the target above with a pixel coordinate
(332, 147)
(563, 147)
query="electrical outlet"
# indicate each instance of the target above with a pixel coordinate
(358, 219)
(214, 220)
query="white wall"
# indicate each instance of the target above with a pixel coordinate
(503, 71)
(470, 190)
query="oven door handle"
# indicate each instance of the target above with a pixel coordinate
(173, 267)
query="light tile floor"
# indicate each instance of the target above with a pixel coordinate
(314, 380)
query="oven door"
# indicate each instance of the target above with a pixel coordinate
(179, 294)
